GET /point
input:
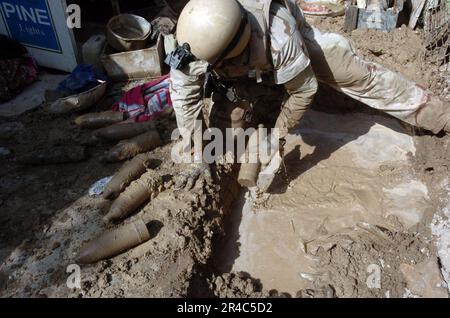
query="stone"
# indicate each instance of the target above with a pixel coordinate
(425, 279)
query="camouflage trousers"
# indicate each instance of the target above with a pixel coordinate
(335, 63)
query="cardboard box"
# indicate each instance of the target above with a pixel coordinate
(140, 64)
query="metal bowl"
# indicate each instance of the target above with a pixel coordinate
(128, 32)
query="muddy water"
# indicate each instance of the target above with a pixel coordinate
(129, 32)
(342, 171)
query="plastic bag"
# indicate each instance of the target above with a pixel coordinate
(83, 78)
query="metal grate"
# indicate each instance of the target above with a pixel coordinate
(436, 26)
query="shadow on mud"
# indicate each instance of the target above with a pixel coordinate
(331, 102)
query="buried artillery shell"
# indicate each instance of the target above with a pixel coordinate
(248, 175)
(139, 192)
(114, 242)
(99, 120)
(251, 166)
(129, 148)
(123, 131)
(130, 171)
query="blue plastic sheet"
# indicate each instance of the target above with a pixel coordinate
(83, 78)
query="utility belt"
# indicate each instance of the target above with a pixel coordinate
(241, 101)
(236, 89)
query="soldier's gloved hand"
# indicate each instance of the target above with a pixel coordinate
(271, 160)
(191, 173)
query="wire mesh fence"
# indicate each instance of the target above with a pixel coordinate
(436, 26)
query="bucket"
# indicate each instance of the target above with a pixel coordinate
(128, 32)
(330, 8)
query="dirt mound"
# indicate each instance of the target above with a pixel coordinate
(237, 285)
(350, 262)
(42, 236)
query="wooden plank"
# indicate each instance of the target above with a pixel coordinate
(116, 6)
(351, 18)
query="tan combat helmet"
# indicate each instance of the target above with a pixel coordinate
(214, 29)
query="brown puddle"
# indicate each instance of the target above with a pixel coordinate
(361, 181)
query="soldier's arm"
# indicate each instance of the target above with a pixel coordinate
(292, 68)
(301, 90)
(186, 91)
(186, 86)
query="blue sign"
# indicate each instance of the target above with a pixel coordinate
(30, 22)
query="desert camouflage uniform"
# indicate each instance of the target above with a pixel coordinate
(301, 56)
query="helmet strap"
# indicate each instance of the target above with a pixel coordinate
(236, 39)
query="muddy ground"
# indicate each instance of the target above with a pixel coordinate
(46, 214)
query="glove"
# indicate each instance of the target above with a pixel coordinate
(268, 173)
(191, 173)
(271, 161)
